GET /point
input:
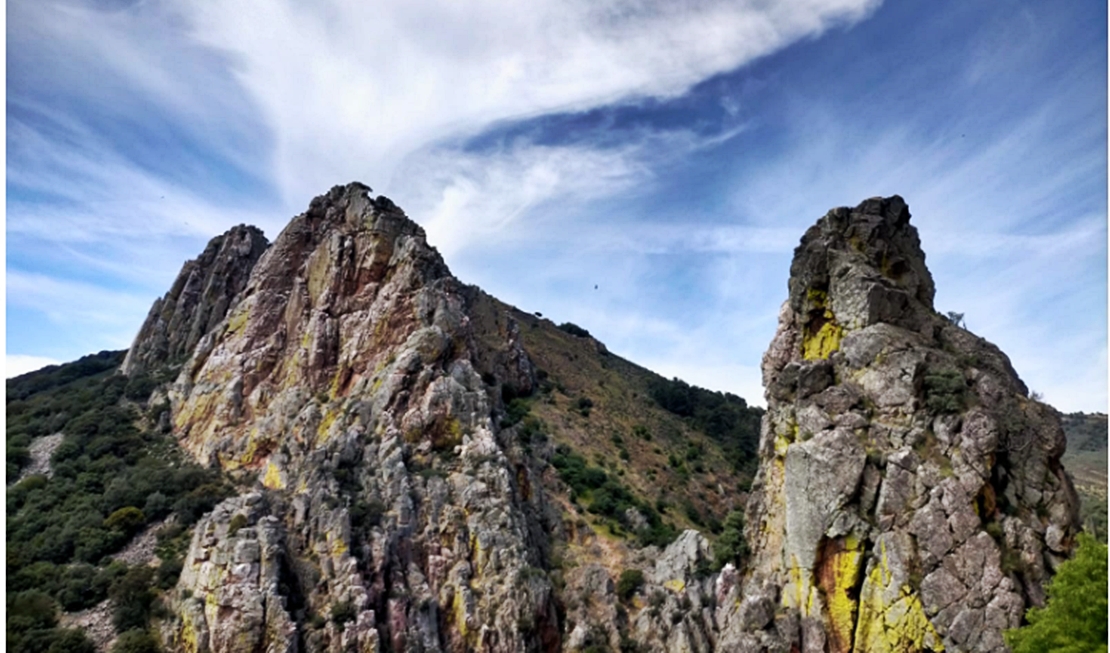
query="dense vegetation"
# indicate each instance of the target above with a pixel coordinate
(722, 416)
(110, 479)
(1074, 618)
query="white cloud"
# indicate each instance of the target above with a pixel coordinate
(348, 88)
(16, 364)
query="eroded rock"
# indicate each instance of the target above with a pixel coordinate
(910, 491)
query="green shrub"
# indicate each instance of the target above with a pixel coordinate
(132, 597)
(139, 388)
(128, 520)
(631, 580)
(343, 612)
(136, 640)
(731, 545)
(945, 391)
(574, 330)
(515, 411)
(71, 640)
(724, 417)
(168, 572)
(1074, 617)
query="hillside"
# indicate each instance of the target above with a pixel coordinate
(1086, 461)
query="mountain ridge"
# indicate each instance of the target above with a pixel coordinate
(411, 464)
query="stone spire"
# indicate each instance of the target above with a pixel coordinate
(910, 495)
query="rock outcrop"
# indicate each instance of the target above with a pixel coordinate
(345, 382)
(910, 495)
(199, 299)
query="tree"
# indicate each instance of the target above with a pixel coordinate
(629, 583)
(731, 545)
(955, 318)
(71, 640)
(1074, 617)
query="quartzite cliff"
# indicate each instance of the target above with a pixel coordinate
(909, 494)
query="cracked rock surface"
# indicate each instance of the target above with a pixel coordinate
(910, 495)
(345, 382)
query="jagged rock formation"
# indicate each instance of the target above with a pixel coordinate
(199, 299)
(345, 379)
(910, 495)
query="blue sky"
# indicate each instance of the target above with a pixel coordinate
(671, 154)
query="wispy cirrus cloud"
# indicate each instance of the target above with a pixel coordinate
(642, 168)
(392, 77)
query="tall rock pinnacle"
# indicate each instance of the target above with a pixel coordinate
(910, 495)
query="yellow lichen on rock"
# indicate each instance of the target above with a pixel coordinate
(272, 479)
(797, 586)
(844, 566)
(675, 585)
(783, 439)
(822, 343)
(337, 545)
(324, 430)
(898, 626)
(188, 633)
(237, 321)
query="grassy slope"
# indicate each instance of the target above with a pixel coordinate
(1086, 461)
(579, 367)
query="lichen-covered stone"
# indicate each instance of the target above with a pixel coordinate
(346, 382)
(910, 495)
(199, 300)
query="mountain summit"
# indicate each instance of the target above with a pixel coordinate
(419, 467)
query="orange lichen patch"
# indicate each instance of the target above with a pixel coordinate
(986, 503)
(838, 575)
(523, 482)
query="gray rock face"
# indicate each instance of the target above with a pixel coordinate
(909, 497)
(229, 595)
(345, 383)
(199, 299)
(910, 494)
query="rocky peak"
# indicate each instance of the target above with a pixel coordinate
(910, 495)
(346, 384)
(863, 265)
(200, 297)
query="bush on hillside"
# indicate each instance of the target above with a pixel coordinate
(1074, 617)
